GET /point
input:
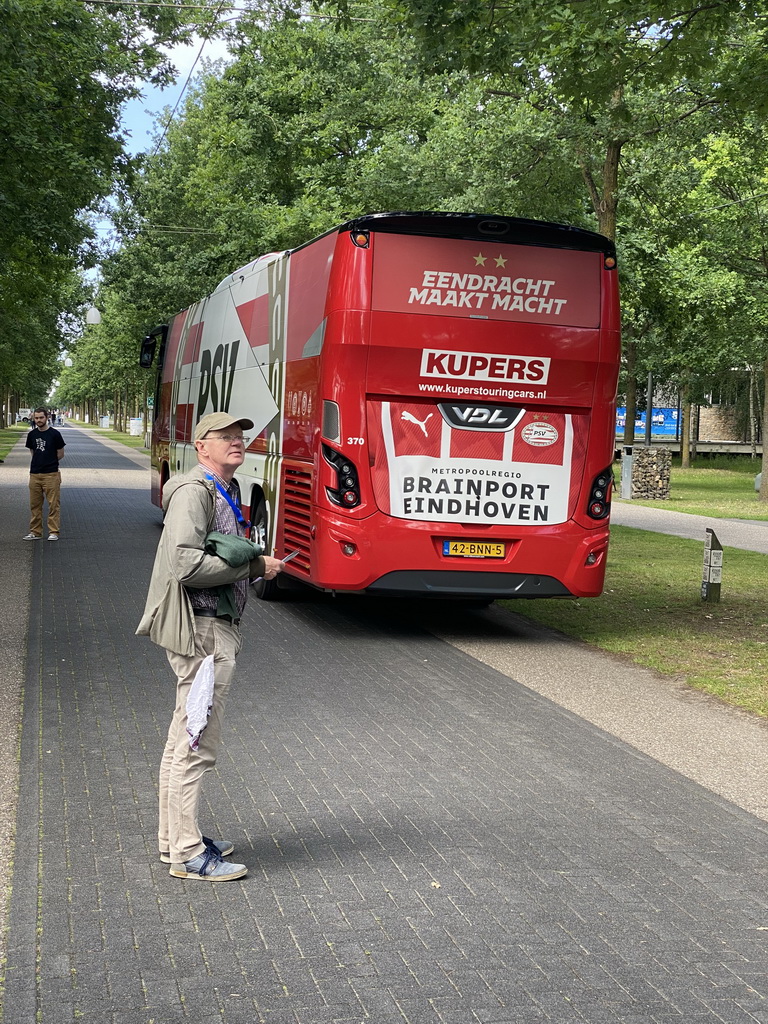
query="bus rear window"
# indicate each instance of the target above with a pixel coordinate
(486, 280)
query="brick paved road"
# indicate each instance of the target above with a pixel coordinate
(428, 841)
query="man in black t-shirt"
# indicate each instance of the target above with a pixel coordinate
(47, 447)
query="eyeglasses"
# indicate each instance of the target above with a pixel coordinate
(229, 438)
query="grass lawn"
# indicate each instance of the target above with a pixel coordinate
(114, 435)
(651, 611)
(9, 436)
(725, 484)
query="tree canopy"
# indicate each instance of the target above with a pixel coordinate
(66, 67)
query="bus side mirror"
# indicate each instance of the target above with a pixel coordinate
(148, 346)
(147, 354)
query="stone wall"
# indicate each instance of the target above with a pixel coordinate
(718, 423)
(650, 473)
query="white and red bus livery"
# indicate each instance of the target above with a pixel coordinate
(434, 401)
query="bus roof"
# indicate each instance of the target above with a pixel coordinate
(515, 230)
(480, 226)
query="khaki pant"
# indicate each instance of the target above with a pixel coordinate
(182, 769)
(44, 485)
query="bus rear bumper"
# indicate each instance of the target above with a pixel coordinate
(562, 561)
(450, 583)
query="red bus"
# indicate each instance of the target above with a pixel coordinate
(433, 397)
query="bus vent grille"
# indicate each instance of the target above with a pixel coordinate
(297, 515)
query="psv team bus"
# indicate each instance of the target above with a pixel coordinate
(433, 397)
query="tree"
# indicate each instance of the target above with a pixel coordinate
(65, 69)
(606, 77)
(307, 127)
(729, 211)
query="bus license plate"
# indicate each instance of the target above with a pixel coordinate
(473, 549)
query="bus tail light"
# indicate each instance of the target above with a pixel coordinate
(599, 504)
(347, 490)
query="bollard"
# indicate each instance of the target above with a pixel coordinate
(712, 575)
(626, 472)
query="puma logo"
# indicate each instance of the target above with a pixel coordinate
(419, 423)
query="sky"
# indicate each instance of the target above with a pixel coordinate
(140, 114)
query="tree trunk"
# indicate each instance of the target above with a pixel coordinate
(630, 362)
(605, 198)
(763, 494)
(604, 202)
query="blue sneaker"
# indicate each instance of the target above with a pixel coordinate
(209, 867)
(222, 847)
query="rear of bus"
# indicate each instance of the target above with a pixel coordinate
(466, 394)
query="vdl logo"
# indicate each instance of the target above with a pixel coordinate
(468, 416)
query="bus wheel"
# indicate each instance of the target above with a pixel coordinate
(164, 478)
(265, 590)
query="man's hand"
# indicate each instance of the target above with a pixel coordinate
(272, 566)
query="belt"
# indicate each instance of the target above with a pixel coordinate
(209, 613)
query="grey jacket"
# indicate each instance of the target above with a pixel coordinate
(189, 502)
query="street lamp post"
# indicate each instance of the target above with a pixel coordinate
(92, 319)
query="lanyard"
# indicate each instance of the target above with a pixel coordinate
(245, 523)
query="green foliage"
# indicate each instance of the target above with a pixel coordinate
(65, 69)
(305, 129)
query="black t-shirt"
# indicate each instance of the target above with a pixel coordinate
(44, 444)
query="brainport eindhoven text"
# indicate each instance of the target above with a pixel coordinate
(470, 291)
(422, 495)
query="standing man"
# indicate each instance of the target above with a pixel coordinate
(47, 446)
(185, 613)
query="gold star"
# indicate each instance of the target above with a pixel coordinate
(501, 261)
(480, 260)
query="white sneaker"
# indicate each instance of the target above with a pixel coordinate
(53, 536)
(32, 536)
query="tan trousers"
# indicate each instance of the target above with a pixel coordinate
(44, 485)
(181, 768)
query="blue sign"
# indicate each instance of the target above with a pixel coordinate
(663, 422)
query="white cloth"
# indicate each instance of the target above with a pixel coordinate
(200, 701)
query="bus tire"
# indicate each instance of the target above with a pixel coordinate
(165, 476)
(264, 590)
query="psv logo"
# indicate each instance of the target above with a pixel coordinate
(217, 374)
(470, 416)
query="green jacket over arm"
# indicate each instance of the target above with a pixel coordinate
(182, 561)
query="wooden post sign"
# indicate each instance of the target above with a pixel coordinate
(712, 576)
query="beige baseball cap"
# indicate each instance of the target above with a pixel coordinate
(220, 421)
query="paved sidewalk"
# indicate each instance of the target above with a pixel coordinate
(428, 839)
(735, 533)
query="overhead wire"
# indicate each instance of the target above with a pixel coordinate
(189, 77)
